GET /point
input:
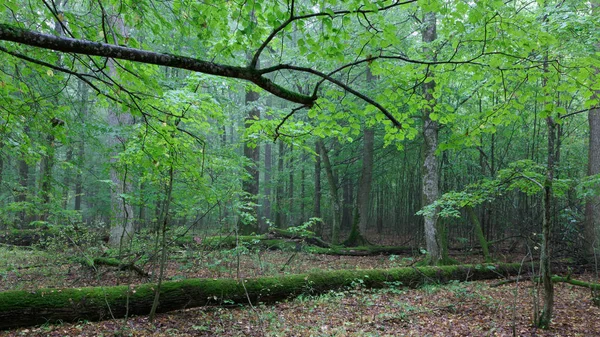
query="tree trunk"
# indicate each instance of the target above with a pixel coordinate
(84, 92)
(430, 183)
(545, 316)
(291, 200)
(266, 213)
(302, 191)
(317, 206)
(122, 229)
(79, 176)
(479, 232)
(361, 219)
(347, 204)
(23, 185)
(26, 308)
(67, 179)
(333, 191)
(279, 191)
(252, 153)
(592, 206)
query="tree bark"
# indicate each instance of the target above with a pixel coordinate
(252, 153)
(592, 206)
(279, 190)
(69, 45)
(23, 185)
(26, 308)
(333, 191)
(479, 232)
(317, 205)
(266, 213)
(430, 188)
(545, 316)
(291, 199)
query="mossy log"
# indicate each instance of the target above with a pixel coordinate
(363, 250)
(25, 237)
(112, 262)
(27, 308)
(281, 239)
(306, 236)
(589, 285)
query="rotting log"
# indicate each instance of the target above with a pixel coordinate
(363, 250)
(289, 241)
(25, 237)
(27, 308)
(112, 262)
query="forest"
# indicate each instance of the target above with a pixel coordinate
(299, 168)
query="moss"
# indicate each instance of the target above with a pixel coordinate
(294, 234)
(230, 241)
(360, 250)
(21, 308)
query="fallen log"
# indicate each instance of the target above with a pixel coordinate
(27, 308)
(363, 250)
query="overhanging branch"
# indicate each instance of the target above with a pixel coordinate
(77, 46)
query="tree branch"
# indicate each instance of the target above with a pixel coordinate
(69, 45)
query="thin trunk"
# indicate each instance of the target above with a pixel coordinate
(122, 229)
(279, 190)
(67, 180)
(163, 246)
(291, 200)
(79, 176)
(545, 254)
(46, 166)
(317, 205)
(84, 106)
(23, 186)
(252, 153)
(302, 192)
(266, 214)
(1, 163)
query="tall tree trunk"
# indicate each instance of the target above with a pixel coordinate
(347, 203)
(79, 176)
(366, 175)
(67, 179)
(592, 206)
(317, 200)
(23, 185)
(279, 190)
(302, 191)
(122, 228)
(333, 191)
(252, 153)
(1, 163)
(291, 200)
(266, 213)
(545, 269)
(84, 108)
(430, 188)
(363, 198)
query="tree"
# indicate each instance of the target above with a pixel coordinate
(592, 206)
(430, 161)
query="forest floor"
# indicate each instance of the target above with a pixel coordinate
(457, 309)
